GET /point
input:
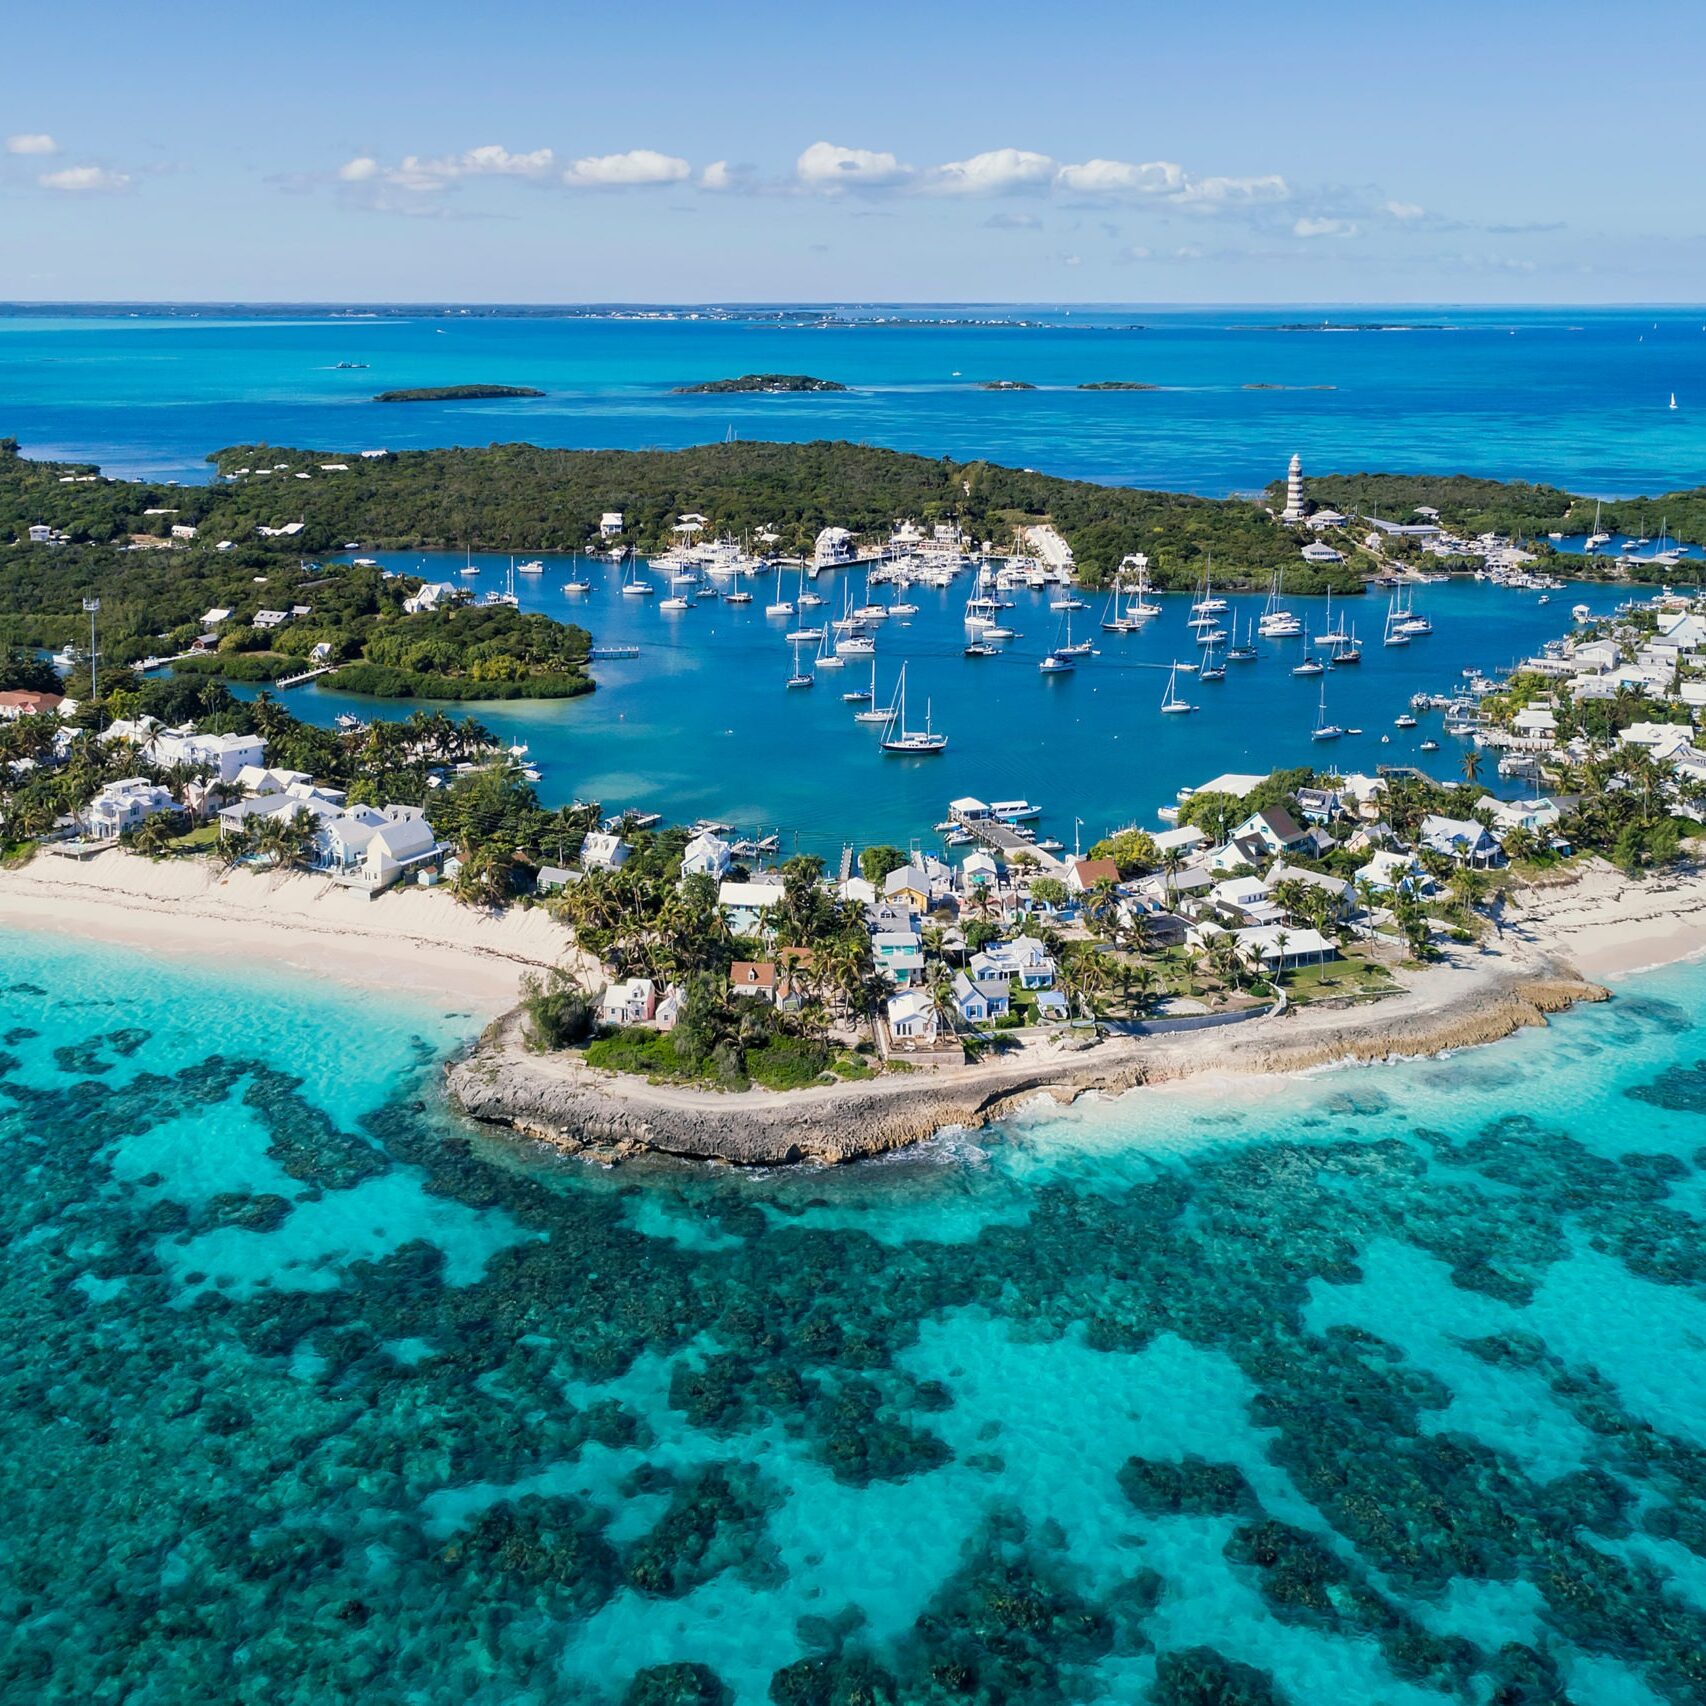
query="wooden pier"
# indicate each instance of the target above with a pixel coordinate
(1004, 839)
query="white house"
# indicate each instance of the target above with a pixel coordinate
(631, 1002)
(1464, 839)
(123, 805)
(225, 755)
(1660, 739)
(1317, 552)
(707, 855)
(1539, 817)
(610, 524)
(369, 847)
(429, 596)
(1186, 839)
(1279, 947)
(1390, 869)
(980, 870)
(604, 852)
(744, 904)
(912, 1017)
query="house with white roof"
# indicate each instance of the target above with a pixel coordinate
(631, 1002)
(912, 1018)
(1024, 958)
(981, 870)
(123, 805)
(1660, 739)
(1337, 890)
(370, 847)
(1280, 947)
(744, 904)
(603, 851)
(1466, 840)
(1187, 838)
(909, 883)
(1539, 817)
(1390, 869)
(610, 524)
(707, 855)
(224, 755)
(1317, 552)
(429, 596)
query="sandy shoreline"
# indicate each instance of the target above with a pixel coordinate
(1550, 945)
(417, 941)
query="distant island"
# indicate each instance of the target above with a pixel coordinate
(766, 384)
(455, 393)
(1117, 385)
(1006, 385)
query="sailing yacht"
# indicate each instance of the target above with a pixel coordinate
(1245, 653)
(574, 584)
(1208, 604)
(1066, 647)
(827, 658)
(1324, 730)
(1212, 668)
(903, 740)
(800, 677)
(1310, 666)
(634, 584)
(1171, 704)
(1278, 623)
(1350, 652)
(1396, 633)
(1331, 636)
(779, 606)
(862, 695)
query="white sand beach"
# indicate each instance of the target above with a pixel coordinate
(415, 939)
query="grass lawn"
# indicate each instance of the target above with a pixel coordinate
(1351, 977)
(781, 1063)
(202, 839)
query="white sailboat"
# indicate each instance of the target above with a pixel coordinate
(800, 677)
(634, 584)
(1171, 704)
(901, 739)
(779, 606)
(1324, 730)
(863, 695)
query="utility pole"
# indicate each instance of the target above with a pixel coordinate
(93, 606)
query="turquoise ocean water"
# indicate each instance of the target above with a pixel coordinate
(1387, 1386)
(1573, 396)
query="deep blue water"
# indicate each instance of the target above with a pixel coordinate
(1385, 1386)
(1573, 396)
(701, 724)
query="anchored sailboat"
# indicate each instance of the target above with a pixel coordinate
(900, 738)
(1171, 704)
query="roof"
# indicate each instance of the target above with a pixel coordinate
(26, 699)
(906, 877)
(910, 1004)
(753, 974)
(1089, 872)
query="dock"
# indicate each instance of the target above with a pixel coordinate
(1003, 839)
(304, 675)
(597, 652)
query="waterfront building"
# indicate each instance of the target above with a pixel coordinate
(602, 851)
(707, 855)
(123, 805)
(631, 1002)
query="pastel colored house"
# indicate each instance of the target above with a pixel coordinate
(707, 855)
(631, 1002)
(912, 1017)
(123, 805)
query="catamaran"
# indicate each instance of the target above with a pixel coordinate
(1171, 704)
(900, 738)
(1278, 623)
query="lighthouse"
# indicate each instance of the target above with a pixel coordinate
(1293, 511)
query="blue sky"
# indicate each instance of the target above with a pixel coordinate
(657, 151)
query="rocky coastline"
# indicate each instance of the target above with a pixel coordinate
(557, 1099)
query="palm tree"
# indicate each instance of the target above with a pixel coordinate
(1471, 765)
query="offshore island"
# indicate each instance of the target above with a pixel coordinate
(683, 990)
(455, 393)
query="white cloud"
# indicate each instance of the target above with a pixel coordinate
(1122, 177)
(84, 178)
(359, 170)
(1405, 210)
(1234, 192)
(996, 172)
(1308, 227)
(827, 166)
(638, 166)
(1012, 222)
(31, 142)
(717, 176)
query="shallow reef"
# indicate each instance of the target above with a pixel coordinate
(399, 1411)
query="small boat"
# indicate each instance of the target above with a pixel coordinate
(980, 649)
(1309, 666)
(903, 610)
(1404, 721)
(535, 567)
(737, 598)
(577, 586)
(676, 602)
(1430, 746)
(1055, 664)
(804, 636)
(1068, 603)
(910, 742)
(1171, 704)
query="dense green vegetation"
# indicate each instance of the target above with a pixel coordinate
(1007, 385)
(455, 393)
(154, 601)
(765, 384)
(1117, 385)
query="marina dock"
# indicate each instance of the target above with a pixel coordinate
(1004, 839)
